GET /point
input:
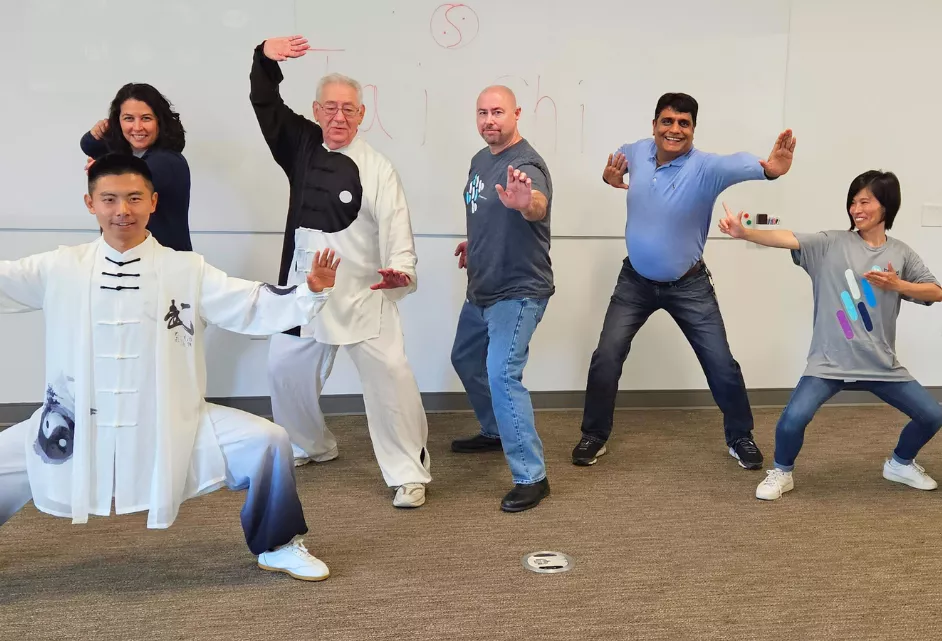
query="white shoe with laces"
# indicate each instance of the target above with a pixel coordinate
(294, 560)
(776, 483)
(913, 475)
(410, 495)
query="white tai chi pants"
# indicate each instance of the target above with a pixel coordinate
(299, 367)
(258, 458)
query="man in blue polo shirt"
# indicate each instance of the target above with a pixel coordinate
(670, 204)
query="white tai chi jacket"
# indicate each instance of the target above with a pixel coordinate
(155, 446)
(379, 236)
(350, 199)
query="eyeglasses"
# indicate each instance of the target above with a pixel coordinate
(349, 111)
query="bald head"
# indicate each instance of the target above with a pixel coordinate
(500, 93)
(497, 117)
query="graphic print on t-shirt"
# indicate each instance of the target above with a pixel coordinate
(475, 187)
(854, 308)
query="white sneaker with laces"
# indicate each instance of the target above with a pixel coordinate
(776, 483)
(294, 560)
(913, 475)
(410, 495)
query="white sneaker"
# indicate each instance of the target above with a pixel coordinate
(301, 457)
(410, 495)
(294, 560)
(913, 475)
(776, 483)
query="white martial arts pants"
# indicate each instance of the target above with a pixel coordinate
(299, 367)
(258, 458)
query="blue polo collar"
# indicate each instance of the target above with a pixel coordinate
(676, 162)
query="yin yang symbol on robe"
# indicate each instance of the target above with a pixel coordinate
(56, 427)
(328, 200)
(332, 193)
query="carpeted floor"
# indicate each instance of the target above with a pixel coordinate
(668, 540)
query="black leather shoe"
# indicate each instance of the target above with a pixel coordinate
(523, 497)
(475, 444)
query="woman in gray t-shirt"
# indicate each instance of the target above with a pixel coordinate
(859, 278)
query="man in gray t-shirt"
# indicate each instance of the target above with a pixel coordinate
(508, 198)
(859, 278)
(507, 255)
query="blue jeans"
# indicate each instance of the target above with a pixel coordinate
(812, 392)
(691, 302)
(490, 351)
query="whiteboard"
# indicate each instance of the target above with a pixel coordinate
(587, 78)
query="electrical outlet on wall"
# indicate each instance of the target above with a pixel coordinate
(931, 215)
(760, 221)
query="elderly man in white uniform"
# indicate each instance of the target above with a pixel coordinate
(346, 196)
(124, 417)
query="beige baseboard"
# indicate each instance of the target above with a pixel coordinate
(11, 413)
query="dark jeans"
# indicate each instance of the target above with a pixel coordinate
(691, 302)
(812, 392)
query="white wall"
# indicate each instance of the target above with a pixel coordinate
(859, 95)
(579, 98)
(765, 299)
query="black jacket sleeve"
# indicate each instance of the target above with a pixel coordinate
(93, 147)
(283, 129)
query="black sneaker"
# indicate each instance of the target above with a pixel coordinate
(587, 452)
(475, 444)
(747, 453)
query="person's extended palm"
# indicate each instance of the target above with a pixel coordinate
(615, 170)
(780, 158)
(279, 49)
(392, 279)
(519, 191)
(323, 272)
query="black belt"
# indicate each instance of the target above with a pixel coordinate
(693, 270)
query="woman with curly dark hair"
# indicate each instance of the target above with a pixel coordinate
(142, 122)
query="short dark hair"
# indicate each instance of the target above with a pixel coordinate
(170, 132)
(884, 185)
(679, 102)
(118, 165)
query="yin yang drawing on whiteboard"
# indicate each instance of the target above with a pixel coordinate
(54, 442)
